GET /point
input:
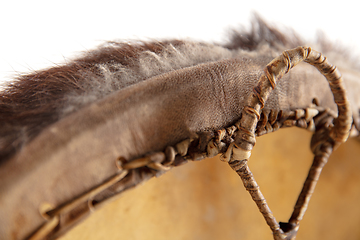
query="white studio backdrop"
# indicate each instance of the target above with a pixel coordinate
(39, 34)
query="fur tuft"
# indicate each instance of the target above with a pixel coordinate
(262, 33)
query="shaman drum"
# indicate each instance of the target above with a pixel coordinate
(77, 136)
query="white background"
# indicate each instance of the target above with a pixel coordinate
(37, 34)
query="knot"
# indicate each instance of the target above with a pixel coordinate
(153, 160)
(252, 111)
(245, 139)
(320, 139)
(288, 61)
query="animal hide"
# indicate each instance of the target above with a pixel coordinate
(63, 129)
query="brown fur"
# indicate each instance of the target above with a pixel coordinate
(260, 33)
(34, 101)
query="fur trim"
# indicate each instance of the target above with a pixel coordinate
(34, 101)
